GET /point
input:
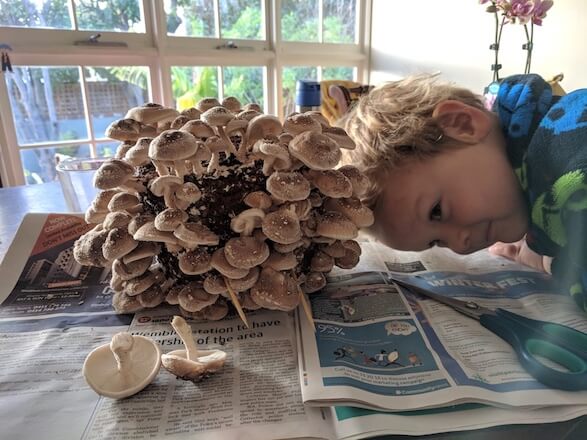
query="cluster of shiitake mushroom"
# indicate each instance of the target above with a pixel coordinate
(221, 203)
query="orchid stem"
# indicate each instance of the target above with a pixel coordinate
(497, 41)
(529, 46)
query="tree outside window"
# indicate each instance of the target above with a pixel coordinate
(63, 110)
(98, 15)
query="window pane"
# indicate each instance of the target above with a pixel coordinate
(107, 149)
(299, 20)
(112, 91)
(245, 83)
(38, 14)
(190, 84)
(339, 21)
(109, 15)
(289, 77)
(47, 104)
(347, 73)
(241, 19)
(190, 18)
(39, 163)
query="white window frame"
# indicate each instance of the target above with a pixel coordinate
(157, 51)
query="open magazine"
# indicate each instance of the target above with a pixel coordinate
(53, 312)
(380, 347)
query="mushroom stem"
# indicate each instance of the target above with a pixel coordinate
(222, 135)
(214, 163)
(121, 344)
(243, 149)
(268, 165)
(180, 168)
(169, 198)
(196, 165)
(184, 331)
(236, 303)
(161, 168)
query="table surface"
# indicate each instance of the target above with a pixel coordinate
(16, 202)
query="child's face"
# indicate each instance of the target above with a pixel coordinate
(465, 199)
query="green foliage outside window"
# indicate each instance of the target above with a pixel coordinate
(32, 88)
(106, 15)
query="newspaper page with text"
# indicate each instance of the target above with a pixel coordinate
(379, 347)
(254, 395)
(53, 312)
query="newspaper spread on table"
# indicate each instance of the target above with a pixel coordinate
(54, 312)
(380, 347)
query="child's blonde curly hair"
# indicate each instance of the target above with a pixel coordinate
(394, 123)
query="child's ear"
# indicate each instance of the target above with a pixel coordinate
(461, 121)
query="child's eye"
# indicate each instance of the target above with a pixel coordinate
(436, 213)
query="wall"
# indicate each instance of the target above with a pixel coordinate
(453, 37)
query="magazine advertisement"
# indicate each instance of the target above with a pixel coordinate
(380, 347)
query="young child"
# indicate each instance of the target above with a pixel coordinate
(445, 171)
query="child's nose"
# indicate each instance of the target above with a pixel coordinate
(460, 240)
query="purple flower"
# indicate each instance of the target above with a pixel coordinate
(540, 9)
(489, 100)
(520, 10)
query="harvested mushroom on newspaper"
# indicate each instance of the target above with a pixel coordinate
(191, 363)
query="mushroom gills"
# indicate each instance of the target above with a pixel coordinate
(123, 367)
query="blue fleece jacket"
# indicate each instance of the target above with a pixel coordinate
(547, 146)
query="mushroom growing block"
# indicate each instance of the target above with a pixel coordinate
(178, 206)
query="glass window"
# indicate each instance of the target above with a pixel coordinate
(346, 73)
(39, 163)
(38, 14)
(190, 18)
(190, 84)
(241, 19)
(98, 15)
(339, 21)
(289, 77)
(109, 15)
(67, 100)
(112, 91)
(245, 83)
(107, 149)
(47, 104)
(299, 20)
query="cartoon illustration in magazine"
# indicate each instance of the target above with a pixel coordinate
(393, 346)
(414, 359)
(384, 359)
(342, 352)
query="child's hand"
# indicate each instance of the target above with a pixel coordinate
(521, 253)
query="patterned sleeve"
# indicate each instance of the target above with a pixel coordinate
(569, 267)
(521, 103)
(558, 180)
